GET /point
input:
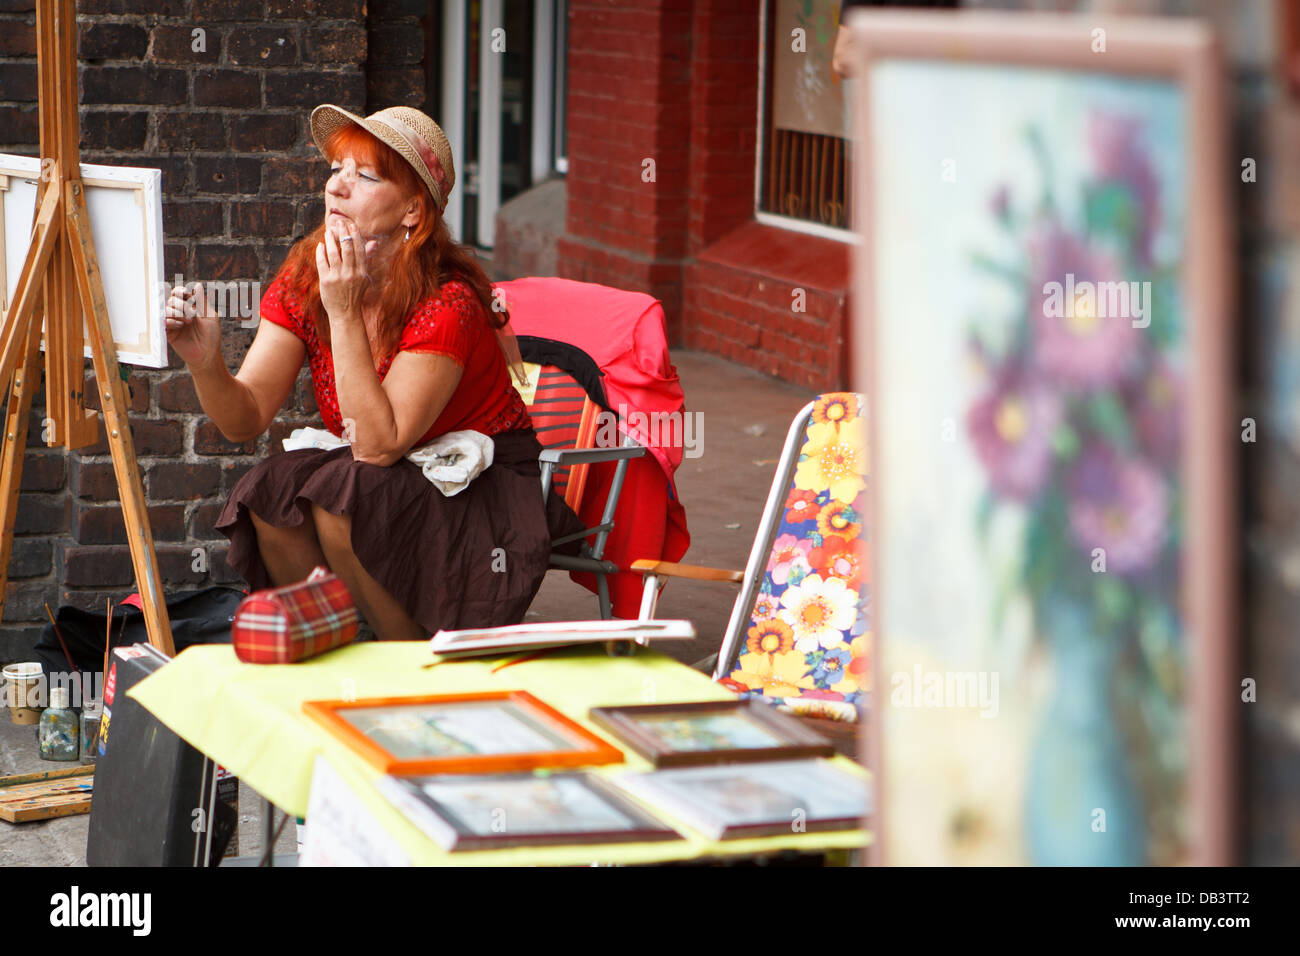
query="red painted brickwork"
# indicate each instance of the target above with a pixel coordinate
(628, 132)
(774, 300)
(678, 83)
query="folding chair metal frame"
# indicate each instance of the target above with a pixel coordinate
(592, 559)
(657, 573)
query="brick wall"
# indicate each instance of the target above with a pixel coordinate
(773, 300)
(767, 297)
(226, 121)
(679, 83)
(629, 101)
(770, 298)
(395, 65)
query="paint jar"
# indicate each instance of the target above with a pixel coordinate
(22, 692)
(90, 717)
(59, 735)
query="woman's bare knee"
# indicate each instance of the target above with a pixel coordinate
(289, 553)
(306, 531)
(334, 531)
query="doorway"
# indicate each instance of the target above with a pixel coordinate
(500, 90)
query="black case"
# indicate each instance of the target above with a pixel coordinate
(157, 800)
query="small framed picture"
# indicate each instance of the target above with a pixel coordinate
(710, 732)
(494, 732)
(504, 810)
(757, 799)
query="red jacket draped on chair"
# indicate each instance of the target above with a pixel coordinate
(624, 333)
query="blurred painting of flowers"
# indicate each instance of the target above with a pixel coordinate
(1076, 425)
(1030, 317)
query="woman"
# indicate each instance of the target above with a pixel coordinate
(396, 322)
(843, 58)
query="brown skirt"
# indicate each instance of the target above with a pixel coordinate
(475, 559)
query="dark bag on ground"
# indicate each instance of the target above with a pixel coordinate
(197, 617)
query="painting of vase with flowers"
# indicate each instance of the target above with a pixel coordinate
(1033, 347)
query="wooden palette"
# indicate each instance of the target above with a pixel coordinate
(46, 794)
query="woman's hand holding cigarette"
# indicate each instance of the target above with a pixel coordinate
(341, 263)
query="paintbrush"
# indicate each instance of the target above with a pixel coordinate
(108, 639)
(532, 656)
(59, 635)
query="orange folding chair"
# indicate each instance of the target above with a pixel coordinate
(566, 405)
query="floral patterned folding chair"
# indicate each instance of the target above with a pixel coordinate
(799, 630)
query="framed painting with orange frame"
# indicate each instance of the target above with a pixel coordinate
(493, 732)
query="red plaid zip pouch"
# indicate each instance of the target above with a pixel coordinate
(293, 623)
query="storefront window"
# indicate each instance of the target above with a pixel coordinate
(804, 147)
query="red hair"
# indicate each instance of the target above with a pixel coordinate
(419, 267)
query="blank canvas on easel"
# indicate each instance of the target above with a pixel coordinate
(125, 206)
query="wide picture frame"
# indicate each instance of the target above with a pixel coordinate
(480, 733)
(470, 812)
(711, 732)
(1043, 328)
(761, 798)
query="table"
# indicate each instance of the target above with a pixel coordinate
(248, 717)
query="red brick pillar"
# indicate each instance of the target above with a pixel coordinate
(724, 117)
(629, 114)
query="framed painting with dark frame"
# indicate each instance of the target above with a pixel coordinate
(469, 812)
(491, 732)
(761, 798)
(1043, 295)
(710, 732)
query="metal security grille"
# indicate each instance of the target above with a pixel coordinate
(807, 177)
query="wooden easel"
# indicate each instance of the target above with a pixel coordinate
(61, 269)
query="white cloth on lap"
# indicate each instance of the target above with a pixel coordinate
(301, 438)
(453, 460)
(450, 461)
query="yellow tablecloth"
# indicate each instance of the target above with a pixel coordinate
(248, 717)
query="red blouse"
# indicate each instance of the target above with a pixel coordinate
(454, 324)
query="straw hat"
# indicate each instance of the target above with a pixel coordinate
(418, 140)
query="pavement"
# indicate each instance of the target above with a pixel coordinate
(744, 418)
